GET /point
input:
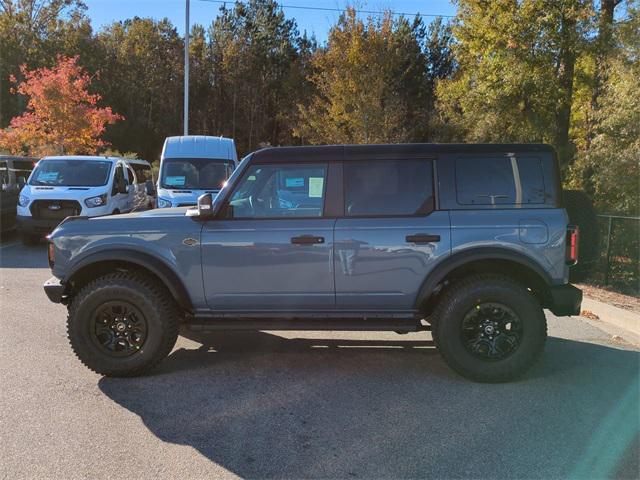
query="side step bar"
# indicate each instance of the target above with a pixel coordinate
(336, 324)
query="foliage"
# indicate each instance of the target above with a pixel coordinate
(257, 65)
(562, 72)
(61, 116)
(515, 70)
(609, 167)
(144, 59)
(371, 84)
(33, 33)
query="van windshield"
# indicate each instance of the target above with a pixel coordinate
(195, 173)
(71, 173)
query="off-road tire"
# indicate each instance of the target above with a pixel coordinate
(143, 292)
(29, 239)
(464, 295)
(581, 212)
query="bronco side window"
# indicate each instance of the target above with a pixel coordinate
(279, 191)
(388, 188)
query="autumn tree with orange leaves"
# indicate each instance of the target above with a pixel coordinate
(61, 117)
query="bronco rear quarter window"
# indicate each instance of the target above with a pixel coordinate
(499, 180)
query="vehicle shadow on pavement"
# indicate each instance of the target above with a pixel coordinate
(261, 405)
(20, 256)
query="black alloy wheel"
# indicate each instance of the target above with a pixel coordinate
(491, 331)
(119, 329)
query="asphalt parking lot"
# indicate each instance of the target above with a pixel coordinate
(294, 405)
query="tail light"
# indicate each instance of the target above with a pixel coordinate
(51, 253)
(573, 240)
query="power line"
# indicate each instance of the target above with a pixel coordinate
(326, 9)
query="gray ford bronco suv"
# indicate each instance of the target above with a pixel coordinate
(469, 241)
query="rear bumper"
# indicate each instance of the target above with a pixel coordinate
(30, 225)
(565, 300)
(54, 290)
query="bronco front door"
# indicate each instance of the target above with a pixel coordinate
(272, 248)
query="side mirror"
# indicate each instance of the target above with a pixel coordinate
(150, 188)
(123, 187)
(204, 209)
(21, 181)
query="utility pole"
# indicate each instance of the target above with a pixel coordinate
(186, 70)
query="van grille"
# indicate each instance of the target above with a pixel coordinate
(55, 209)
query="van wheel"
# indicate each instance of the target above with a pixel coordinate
(29, 239)
(115, 212)
(489, 328)
(122, 324)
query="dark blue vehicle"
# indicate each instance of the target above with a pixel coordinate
(469, 241)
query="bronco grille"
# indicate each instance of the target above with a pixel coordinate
(55, 209)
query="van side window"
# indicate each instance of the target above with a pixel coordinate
(507, 180)
(143, 172)
(388, 188)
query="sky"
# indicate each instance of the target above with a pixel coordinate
(103, 12)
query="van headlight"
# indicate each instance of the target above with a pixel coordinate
(162, 203)
(23, 200)
(96, 201)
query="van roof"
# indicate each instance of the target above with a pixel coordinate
(91, 158)
(198, 146)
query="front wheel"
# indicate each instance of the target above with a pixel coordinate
(122, 324)
(489, 328)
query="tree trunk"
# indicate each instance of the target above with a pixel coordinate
(603, 46)
(565, 82)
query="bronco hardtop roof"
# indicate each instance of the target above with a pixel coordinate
(403, 150)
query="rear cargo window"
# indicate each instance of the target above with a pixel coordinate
(507, 180)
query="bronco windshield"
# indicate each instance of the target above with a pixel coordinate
(195, 173)
(71, 173)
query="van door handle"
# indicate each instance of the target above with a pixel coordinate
(422, 238)
(306, 240)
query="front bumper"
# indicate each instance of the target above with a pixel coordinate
(55, 290)
(30, 225)
(565, 300)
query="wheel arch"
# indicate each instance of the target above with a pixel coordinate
(107, 261)
(484, 260)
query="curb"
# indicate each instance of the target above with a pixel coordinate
(614, 316)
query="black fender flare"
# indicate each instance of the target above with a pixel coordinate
(145, 260)
(449, 264)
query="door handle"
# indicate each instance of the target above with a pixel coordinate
(422, 238)
(306, 240)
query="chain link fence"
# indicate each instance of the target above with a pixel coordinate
(619, 263)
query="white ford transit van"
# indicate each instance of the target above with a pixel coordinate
(60, 187)
(193, 165)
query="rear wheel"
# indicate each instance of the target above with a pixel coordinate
(122, 324)
(489, 328)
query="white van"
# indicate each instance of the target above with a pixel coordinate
(60, 187)
(193, 165)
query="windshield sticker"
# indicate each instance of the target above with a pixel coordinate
(316, 185)
(294, 182)
(47, 176)
(177, 181)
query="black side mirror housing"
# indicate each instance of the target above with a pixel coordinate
(21, 181)
(122, 187)
(150, 188)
